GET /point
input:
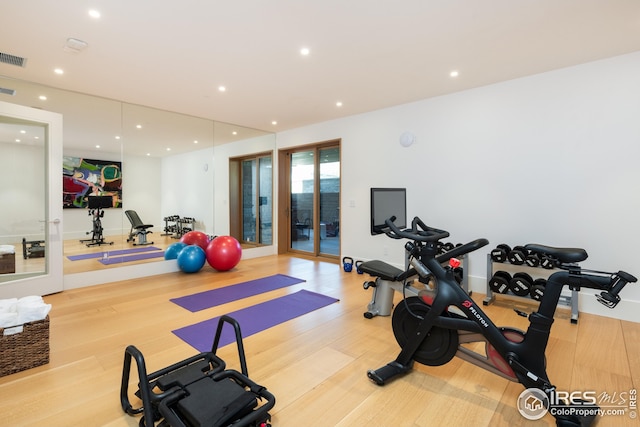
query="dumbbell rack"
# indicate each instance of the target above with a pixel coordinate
(566, 300)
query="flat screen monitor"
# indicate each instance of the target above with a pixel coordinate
(385, 203)
(94, 202)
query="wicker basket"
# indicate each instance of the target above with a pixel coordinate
(24, 350)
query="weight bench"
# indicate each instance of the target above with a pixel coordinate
(138, 229)
(388, 279)
(198, 391)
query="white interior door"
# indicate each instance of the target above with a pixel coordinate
(31, 198)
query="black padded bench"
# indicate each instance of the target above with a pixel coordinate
(138, 229)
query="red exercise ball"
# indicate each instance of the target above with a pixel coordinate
(223, 253)
(196, 238)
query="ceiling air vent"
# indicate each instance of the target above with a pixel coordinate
(6, 58)
(5, 91)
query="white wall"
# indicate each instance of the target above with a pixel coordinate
(549, 159)
(187, 187)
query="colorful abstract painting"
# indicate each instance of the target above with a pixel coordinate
(88, 177)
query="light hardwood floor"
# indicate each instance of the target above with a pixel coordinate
(315, 365)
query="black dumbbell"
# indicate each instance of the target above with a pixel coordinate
(537, 289)
(532, 259)
(547, 262)
(521, 284)
(447, 247)
(517, 255)
(499, 282)
(499, 254)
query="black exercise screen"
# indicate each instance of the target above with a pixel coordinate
(385, 203)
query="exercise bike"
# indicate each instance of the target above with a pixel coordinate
(431, 327)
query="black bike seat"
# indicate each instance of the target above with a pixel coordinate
(382, 270)
(564, 255)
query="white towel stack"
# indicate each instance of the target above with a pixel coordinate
(18, 311)
(7, 249)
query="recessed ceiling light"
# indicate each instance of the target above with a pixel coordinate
(222, 89)
(454, 73)
(23, 131)
(339, 104)
(274, 123)
(148, 154)
(42, 98)
(195, 142)
(138, 126)
(168, 149)
(234, 132)
(117, 136)
(17, 140)
(94, 13)
(97, 146)
(58, 71)
(305, 51)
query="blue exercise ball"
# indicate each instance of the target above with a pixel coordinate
(191, 259)
(173, 250)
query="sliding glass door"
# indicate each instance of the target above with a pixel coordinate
(314, 200)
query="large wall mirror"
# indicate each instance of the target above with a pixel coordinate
(170, 165)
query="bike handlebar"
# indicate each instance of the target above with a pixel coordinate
(419, 231)
(619, 280)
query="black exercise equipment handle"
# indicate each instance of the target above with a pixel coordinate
(619, 280)
(419, 231)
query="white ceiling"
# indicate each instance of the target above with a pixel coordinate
(369, 54)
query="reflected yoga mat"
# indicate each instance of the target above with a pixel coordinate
(254, 319)
(129, 258)
(118, 252)
(219, 296)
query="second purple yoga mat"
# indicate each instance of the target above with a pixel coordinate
(219, 296)
(254, 319)
(129, 258)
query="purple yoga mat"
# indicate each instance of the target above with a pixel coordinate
(254, 319)
(118, 252)
(128, 258)
(219, 296)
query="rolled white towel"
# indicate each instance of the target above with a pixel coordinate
(7, 249)
(8, 320)
(31, 299)
(32, 312)
(8, 305)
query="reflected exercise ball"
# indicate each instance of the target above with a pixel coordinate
(173, 250)
(196, 238)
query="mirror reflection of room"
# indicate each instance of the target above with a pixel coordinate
(157, 154)
(22, 180)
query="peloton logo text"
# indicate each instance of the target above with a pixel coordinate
(468, 304)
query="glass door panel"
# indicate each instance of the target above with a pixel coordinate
(248, 201)
(302, 185)
(329, 218)
(265, 203)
